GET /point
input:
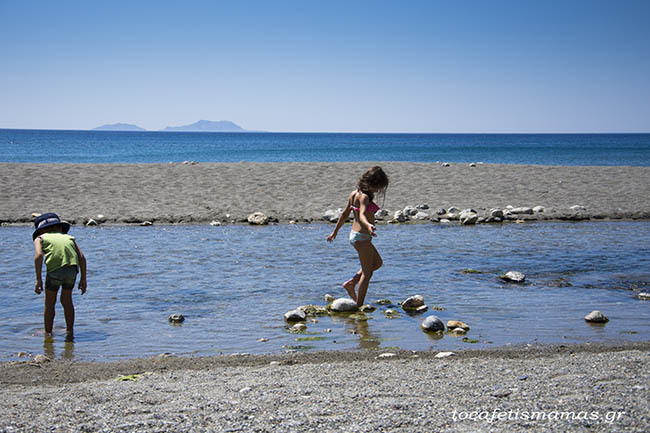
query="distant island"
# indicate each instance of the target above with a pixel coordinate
(200, 126)
(208, 126)
(119, 127)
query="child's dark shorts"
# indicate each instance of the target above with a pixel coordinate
(63, 277)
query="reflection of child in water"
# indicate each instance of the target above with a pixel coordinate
(62, 257)
(363, 229)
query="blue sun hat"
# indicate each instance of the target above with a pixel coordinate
(48, 220)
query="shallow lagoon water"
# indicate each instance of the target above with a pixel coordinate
(234, 283)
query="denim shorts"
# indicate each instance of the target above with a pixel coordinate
(63, 277)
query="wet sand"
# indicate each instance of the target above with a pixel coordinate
(586, 387)
(201, 193)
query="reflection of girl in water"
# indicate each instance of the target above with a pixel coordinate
(363, 229)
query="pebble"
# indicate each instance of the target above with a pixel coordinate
(444, 354)
(41, 359)
(386, 355)
(176, 318)
(298, 327)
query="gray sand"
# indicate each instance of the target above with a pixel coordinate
(533, 388)
(184, 193)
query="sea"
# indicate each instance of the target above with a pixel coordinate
(43, 146)
(234, 283)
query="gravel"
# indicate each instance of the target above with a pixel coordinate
(588, 387)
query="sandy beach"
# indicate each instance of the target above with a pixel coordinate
(587, 387)
(226, 192)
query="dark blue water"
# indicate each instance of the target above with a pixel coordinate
(234, 284)
(133, 147)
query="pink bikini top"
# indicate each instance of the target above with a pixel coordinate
(371, 208)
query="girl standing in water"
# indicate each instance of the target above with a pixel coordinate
(361, 203)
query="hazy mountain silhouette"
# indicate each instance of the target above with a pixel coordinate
(208, 126)
(119, 127)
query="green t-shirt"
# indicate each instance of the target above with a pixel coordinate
(59, 250)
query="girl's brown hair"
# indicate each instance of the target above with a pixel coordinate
(373, 178)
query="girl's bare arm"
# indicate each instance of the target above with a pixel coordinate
(342, 219)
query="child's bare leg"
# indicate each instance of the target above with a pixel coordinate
(48, 311)
(368, 262)
(68, 311)
(349, 285)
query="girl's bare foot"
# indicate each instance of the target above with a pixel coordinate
(349, 287)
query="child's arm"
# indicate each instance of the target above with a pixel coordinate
(38, 265)
(342, 219)
(364, 200)
(82, 267)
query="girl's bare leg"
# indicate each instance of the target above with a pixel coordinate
(370, 261)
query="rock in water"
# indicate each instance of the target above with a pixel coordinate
(343, 305)
(596, 317)
(433, 324)
(513, 277)
(644, 296)
(258, 219)
(453, 324)
(413, 302)
(176, 318)
(295, 316)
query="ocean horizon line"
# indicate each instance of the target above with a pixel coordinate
(328, 132)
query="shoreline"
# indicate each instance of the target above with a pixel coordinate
(583, 387)
(33, 372)
(227, 193)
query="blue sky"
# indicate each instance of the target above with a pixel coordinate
(335, 66)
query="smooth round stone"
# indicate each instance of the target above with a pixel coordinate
(342, 305)
(413, 302)
(596, 317)
(432, 324)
